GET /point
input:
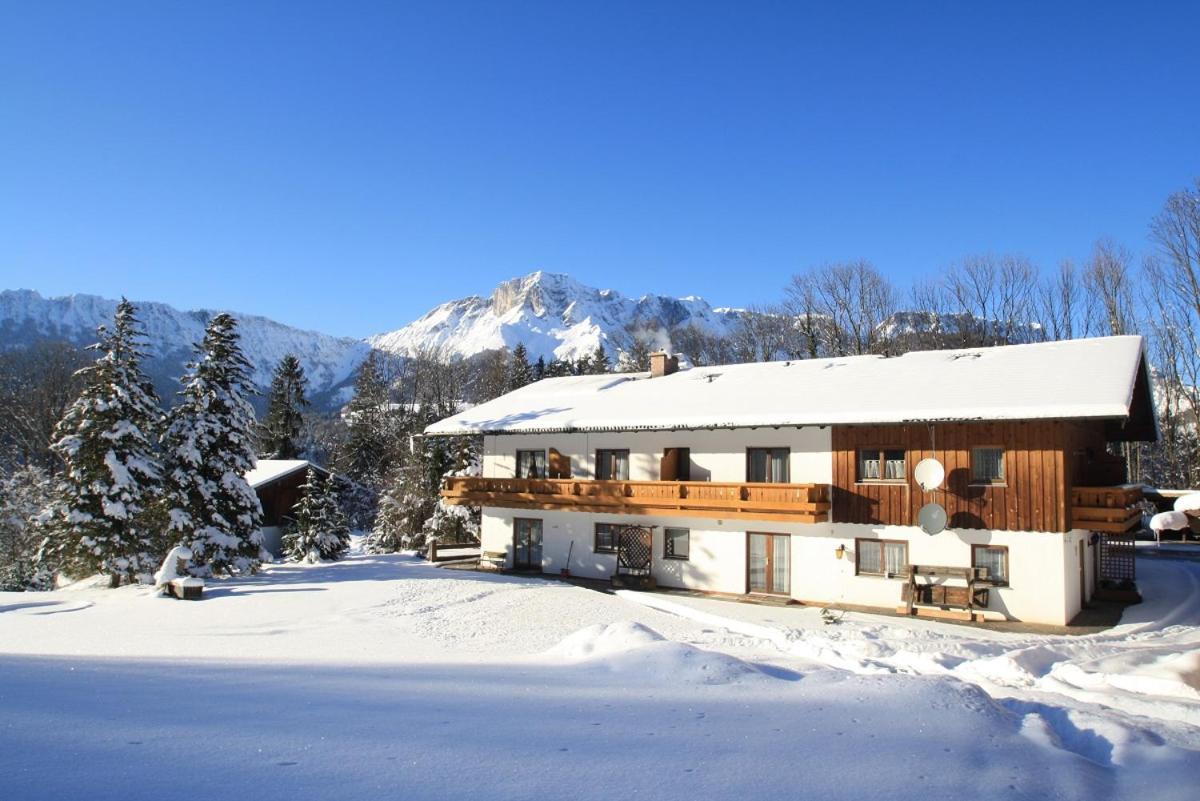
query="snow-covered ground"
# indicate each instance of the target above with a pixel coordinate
(384, 677)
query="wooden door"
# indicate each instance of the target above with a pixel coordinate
(769, 563)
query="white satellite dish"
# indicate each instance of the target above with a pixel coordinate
(932, 518)
(929, 473)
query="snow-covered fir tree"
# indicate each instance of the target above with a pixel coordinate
(366, 453)
(520, 372)
(319, 531)
(286, 402)
(600, 363)
(111, 472)
(404, 506)
(26, 494)
(209, 447)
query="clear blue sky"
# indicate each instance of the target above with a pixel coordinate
(345, 166)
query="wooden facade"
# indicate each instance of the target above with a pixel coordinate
(796, 503)
(1044, 461)
(280, 496)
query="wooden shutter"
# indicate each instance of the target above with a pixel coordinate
(668, 466)
(560, 464)
(675, 465)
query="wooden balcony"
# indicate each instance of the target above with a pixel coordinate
(1111, 510)
(790, 503)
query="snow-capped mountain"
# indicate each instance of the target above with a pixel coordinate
(553, 315)
(329, 362)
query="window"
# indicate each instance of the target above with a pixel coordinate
(676, 543)
(606, 538)
(995, 559)
(887, 558)
(612, 465)
(987, 465)
(767, 465)
(531, 464)
(881, 464)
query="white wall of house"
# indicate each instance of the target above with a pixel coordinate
(718, 455)
(1043, 567)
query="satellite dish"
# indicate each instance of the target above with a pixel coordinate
(932, 518)
(929, 473)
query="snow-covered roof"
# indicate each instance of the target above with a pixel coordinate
(1082, 378)
(268, 470)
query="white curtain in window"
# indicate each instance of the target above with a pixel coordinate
(896, 557)
(993, 560)
(869, 557)
(780, 574)
(893, 465)
(779, 466)
(989, 464)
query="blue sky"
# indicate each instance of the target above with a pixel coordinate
(346, 166)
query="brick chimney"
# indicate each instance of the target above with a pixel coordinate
(662, 363)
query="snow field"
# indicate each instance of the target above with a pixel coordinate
(381, 677)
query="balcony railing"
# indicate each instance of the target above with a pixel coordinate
(795, 503)
(1112, 510)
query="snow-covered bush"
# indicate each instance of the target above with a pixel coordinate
(318, 531)
(25, 495)
(451, 524)
(404, 507)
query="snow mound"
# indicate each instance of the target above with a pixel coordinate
(626, 647)
(1188, 503)
(1169, 521)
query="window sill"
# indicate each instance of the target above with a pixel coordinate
(604, 550)
(881, 576)
(887, 482)
(988, 484)
(676, 558)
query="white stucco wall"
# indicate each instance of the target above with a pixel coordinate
(715, 455)
(1043, 567)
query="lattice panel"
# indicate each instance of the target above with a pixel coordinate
(635, 549)
(1116, 558)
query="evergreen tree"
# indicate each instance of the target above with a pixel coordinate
(404, 506)
(111, 473)
(209, 448)
(557, 368)
(366, 454)
(520, 373)
(539, 369)
(637, 360)
(600, 363)
(582, 366)
(319, 531)
(280, 433)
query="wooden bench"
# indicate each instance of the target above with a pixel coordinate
(944, 600)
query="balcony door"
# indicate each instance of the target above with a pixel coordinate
(769, 565)
(527, 544)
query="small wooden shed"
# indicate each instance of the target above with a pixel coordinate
(277, 483)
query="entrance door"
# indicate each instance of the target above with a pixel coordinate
(769, 565)
(527, 544)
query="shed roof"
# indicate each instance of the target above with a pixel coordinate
(1083, 378)
(268, 470)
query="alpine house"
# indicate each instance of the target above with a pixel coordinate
(800, 478)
